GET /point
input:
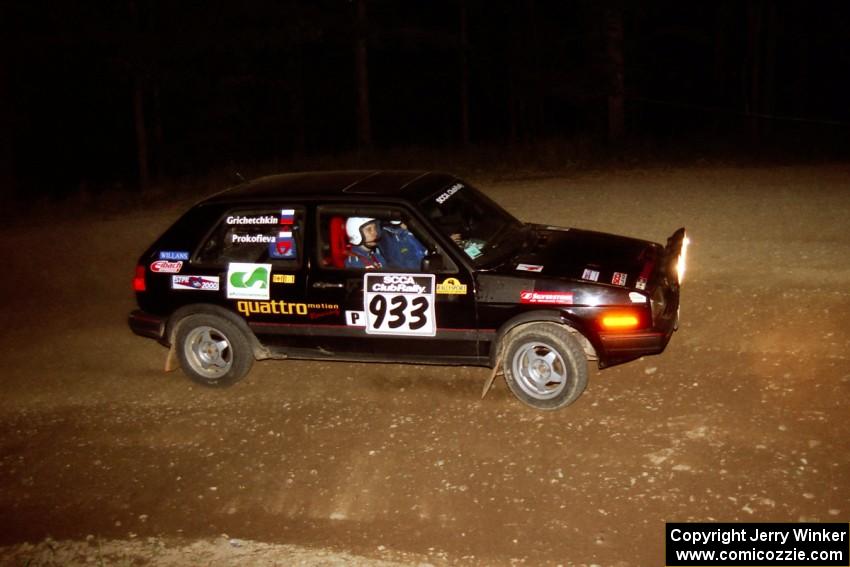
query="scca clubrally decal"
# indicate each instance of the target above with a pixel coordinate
(399, 304)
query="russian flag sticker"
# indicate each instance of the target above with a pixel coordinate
(283, 246)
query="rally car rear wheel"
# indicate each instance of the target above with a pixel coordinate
(212, 351)
(544, 366)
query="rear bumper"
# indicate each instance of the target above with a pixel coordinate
(147, 325)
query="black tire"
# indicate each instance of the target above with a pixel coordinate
(544, 366)
(212, 350)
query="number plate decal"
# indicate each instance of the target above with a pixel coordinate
(399, 304)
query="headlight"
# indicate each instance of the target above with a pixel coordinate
(682, 261)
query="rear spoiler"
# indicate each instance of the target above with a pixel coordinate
(674, 256)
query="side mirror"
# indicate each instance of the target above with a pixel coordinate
(433, 262)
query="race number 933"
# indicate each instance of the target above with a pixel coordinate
(399, 304)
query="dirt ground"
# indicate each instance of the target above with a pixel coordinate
(104, 457)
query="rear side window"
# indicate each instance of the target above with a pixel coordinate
(256, 235)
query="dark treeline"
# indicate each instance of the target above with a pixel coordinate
(123, 92)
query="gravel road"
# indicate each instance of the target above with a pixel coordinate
(743, 418)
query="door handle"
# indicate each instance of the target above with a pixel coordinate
(327, 285)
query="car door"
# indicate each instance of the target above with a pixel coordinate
(259, 254)
(396, 312)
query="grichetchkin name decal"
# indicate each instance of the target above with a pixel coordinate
(266, 219)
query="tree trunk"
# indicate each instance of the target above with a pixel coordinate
(537, 119)
(768, 74)
(753, 100)
(722, 23)
(141, 132)
(464, 77)
(364, 129)
(514, 97)
(158, 136)
(295, 80)
(616, 72)
(7, 172)
(136, 68)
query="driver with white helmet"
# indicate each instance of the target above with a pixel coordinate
(364, 234)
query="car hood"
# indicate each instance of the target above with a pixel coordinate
(588, 256)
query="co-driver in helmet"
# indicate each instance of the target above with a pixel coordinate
(364, 234)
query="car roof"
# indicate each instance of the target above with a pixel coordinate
(406, 185)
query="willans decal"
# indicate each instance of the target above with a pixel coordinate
(173, 255)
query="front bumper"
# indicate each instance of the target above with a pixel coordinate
(147, 325)
(621, 347)
(618, 348)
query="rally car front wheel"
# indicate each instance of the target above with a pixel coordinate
(544, 366)
(212, 351)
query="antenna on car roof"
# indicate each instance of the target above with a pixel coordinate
(239, 177)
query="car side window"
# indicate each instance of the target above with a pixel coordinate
(363, 239)
(256, 235)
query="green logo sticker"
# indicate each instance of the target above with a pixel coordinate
(248, 281)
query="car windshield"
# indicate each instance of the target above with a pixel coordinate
(481, 228)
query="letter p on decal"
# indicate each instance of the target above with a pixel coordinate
(355, 319)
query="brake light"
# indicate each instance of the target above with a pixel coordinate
(620, 321)
(139, 279)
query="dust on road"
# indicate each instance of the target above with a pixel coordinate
(743, 418)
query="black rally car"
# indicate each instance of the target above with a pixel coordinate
(406, 267)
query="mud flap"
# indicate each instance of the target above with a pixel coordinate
(171, 362)
(492, 378)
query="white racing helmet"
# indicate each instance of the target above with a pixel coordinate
(353, 227)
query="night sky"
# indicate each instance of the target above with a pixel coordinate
(202, 85)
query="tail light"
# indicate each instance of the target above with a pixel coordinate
(139, 279)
